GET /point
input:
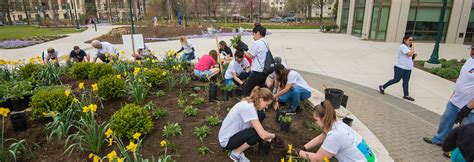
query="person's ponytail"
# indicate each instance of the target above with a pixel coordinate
(326, 112)
(258, 93)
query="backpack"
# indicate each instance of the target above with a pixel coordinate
(269, 64)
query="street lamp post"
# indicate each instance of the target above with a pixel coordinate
(434, 55)
(131, 17)
(75, 14)
(185, 15)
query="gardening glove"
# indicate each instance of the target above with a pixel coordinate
(464, 112)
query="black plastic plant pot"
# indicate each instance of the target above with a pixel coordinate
(345, 99)
(285, 126)
(348, 121)
(277, 116)
(241, 46)
(6, 103)
(334, 96)
(18, 104)
(224, 95)
(26, 100)
(264, 148)
(212, 92)
(19, 122)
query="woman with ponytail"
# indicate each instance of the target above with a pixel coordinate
(291, 87)
(242, 126)
(338, 139)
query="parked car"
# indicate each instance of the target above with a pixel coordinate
(290, 19)
(209, 20)
(278, 20)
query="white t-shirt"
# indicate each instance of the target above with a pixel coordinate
(296, 79)
(188, 48)
(106, 48)
(404, 61)
(236, 67)
(259, 51)
(237, 119)
(464, 91)
(47, 57)
(342, 141)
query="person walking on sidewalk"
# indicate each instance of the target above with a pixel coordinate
(458, 109)
(258, 54)
(402, 69)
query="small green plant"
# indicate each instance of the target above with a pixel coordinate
(171, 83)
(137, 89)
(285, 119)
(198, 101)
(15, 89)
(197, 89)
(98, 70)
(130, 119)
(61, 124)
(47, 99)
(234, 41)
(184, 79)
(181, 99)
(190, 111)
(26, 71)
(448, 73)
(203, 150)
(229, 87)
(111, 87)
(202, 132)
(160, 113)
(442, 60)
(150, 106)
(194, 95)
(49, 75)
(81, 70)
(156, 77)
(313, 127)
(213, 120)
(449, 63)
(160, 93)
(16, 146)
(171, 130)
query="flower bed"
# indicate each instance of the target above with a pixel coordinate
(20, 43)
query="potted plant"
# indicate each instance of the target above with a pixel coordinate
(348, 121)
(19, 121)
(212, 93)
(226, 90)
(17, 92)
(285, 122)
(237, 43)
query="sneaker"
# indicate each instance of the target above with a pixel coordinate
(381, 90)
(408, 98)
(235, 156)
(243, 158)
(289, 112)
(428, 140)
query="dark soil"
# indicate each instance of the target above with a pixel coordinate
(115, 36)
(186, 144)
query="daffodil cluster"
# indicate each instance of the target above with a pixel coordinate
(4, 111)
(91, 107)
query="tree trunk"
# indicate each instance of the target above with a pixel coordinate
(26, 13)
(321, 6)
(8, 14)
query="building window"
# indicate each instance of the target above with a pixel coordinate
(469, 38)
(378, 28)
(345, 15)
(66, 16)
(358, 21)
(423, 19)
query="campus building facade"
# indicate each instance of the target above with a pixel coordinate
(390, 20)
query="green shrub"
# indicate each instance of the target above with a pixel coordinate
(111, 87)
(435, 70)
(449, 63)
(15, 89)
(156, 77)
(442, 60)
(98, 70)
(26, 71)
(448, 73)
(48, 99)
(131, 119)
(49, 75)
(81, 70)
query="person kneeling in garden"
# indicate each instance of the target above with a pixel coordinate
(338, 139)
(188, 49)
(242, 126)
(105, 51)
(78, 55)
(292, 87)
(50, 54)
(238, 70)
(205, 68)
(143, 54)
(225, 51)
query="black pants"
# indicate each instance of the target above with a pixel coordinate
(249, 136)
(255, 79)
(400, 74)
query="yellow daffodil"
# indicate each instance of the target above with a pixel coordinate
(4, 111)
(108, 133)
(132, 146)
(139, 62)
(110, 141)
(164, 73)
(147, 59)
(125, 73)
(136, 135)
(85, 109)
(290, 147)
(67, 92)
(118, 76)
(153, 61)
(112, 155)
(325, 159)
(93, 107)
(163, 143)
(119, 159)
(122, 52)
(282, 160)
(91, 155)
(81, 85)
(290, 159)
(136, 71)
(75, 100)
(96, 159)
(94, 87)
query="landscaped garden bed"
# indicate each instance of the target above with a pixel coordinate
(24, 36)
(449, 68)
(151, 110)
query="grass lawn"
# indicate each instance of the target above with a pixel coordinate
(270, 26)
(16, 32)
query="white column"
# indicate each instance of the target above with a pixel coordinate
(454, 19)
(350, 22)
(402, 21)
(463, 21)
(339, 14)
(367, 19)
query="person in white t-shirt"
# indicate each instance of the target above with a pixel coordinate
(237, 70)
(257, 53)
(50, 54)
(242, 126)
(271, 79)
(105, 51)
(187, 47)
(292, 88)
(338, 140)
(458, 109)
(402, 69)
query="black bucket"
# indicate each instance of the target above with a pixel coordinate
(334, 96)
(6, 103)
(18, 104)
(19, 122)
(345, 99)
(348, 121)
(212, 92)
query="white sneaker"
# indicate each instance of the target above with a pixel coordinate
(243, 158)
(235, 156)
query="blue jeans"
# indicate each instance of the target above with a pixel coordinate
(188, 56)
(399, 74)
(242, 76)
(295, 94)
(202, 73)
(447, 120)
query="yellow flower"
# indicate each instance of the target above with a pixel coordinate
(119, 159)
(136, 135)
(67, 92)
(91, 155)
(108, 133)
(145, 69)
(96, 159)
(153, 61)
(75, 100)
(119, 76)
(136, 71)
(93, 107)
(124, 73)
(132, 146)
(326, 159)
(148, 59)
(110, 141)
(139, 62)
(282, 160)
(81, 85)
(290, 159)
(290, 147)
(107, 55)
(4, 111)
(164, 73)
(112, 155)
(122, 52)
(85, 109)
(163, 143)
(94, 87)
